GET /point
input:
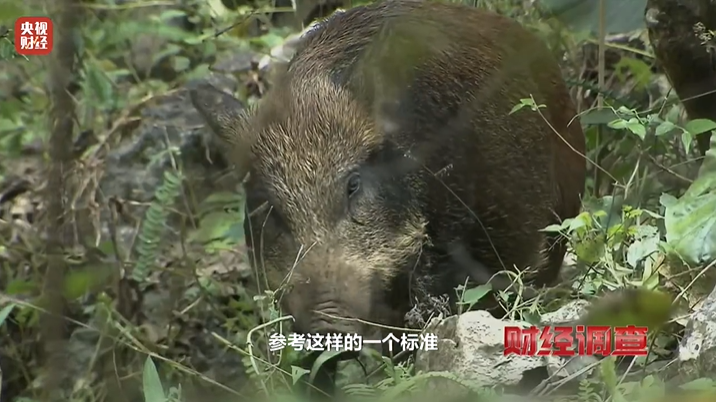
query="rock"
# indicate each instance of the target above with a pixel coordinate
(568, 313)
(562, 367)
(471, 346)
(235, 63)
(697, 351)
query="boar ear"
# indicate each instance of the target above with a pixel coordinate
(227, 118)
(224, 114)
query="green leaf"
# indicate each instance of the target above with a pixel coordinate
(524, 102)
(636, 127)
(664, 128)
(152, 385)
(218, 9)
(320, 361)
(297, 373)
(643, 247)
(618, 124)
(558, 227)
(668, 200)
(223, 197)
(652, 388)
(699, 384)
(7, 49)
(180, 63)
(170, 14)
(517, 107)
(583, 15)
(687, 139)
(641, 72)
(583, 220)
(168, 50)
(97, 85)
(590, 250)
(235, 233)
(19, 286)
(598, 116)
(690, 221)
(80, 281)
(11, 109)
(699, 126)
(5, 312)
(215, 226)
(609, 376)
(270, 40)
(11, 10)
(473, 295)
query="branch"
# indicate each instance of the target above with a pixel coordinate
(61, 124)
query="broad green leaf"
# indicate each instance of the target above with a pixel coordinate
(636, 127)
(10, 10)
(558, 227)
(618, 124)
(7, 50)
(583, 15)
(215, 225)
(664, 128)
(525, 102)
(297, 373)
(583, 220)
(320, 361)
(516, 108)
(235, 233)
(643, 246)
(700, 384)
(668, 200)
(699, 126)
(598, 116)
(152, 385)
(180, 63)
(690, 221)
(652, 388)
(473, 295)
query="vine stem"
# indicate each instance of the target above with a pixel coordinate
(600, 93)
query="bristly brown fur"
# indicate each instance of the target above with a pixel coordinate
(410, 100)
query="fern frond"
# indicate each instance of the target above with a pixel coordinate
(153, 226)
(587, 393)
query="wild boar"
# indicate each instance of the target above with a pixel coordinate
(386, 145)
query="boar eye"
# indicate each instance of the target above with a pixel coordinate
(354, 181)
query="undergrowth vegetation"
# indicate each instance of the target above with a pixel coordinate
(156, 286)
